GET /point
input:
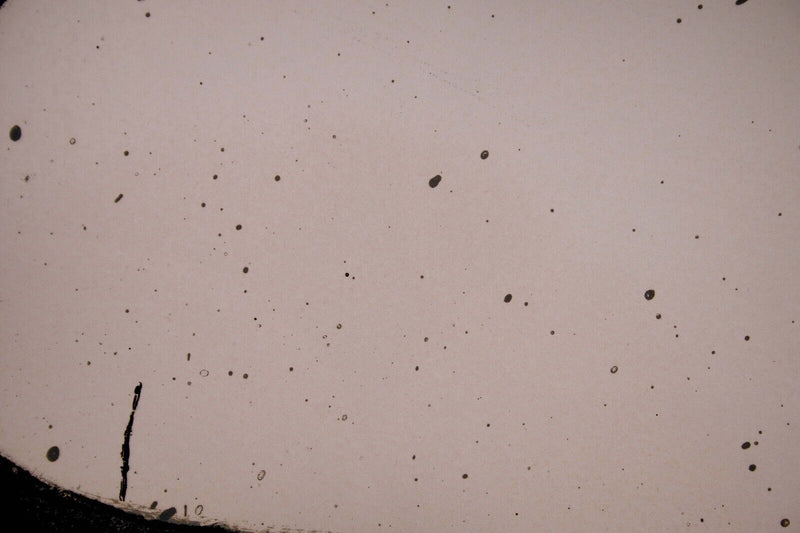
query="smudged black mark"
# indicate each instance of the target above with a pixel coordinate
(484, 154)
(649, 294)
(118, 198)
(53, 453)
(167, 514)
(16, 133)
(507, 298)
(614, 369)
(126, 446)
(785, 521)
(434, 181)
(738, 3)
(745, 445)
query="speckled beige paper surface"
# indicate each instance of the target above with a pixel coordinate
(231, 203)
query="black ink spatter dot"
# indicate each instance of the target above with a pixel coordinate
(752, 468)
(244, 376)
(291, 369)
(167, 514)
(246, 270)
(658, 316)
(464, 476)
(16, 133)
(740, 2)
(485, 154)
(434, 181)
(338, 326)
(230, 372)
(277, 178)
(699, 6)
(745, 445)
(154, 505)
(214, 177)
(238, 227)
(679, 21)
(784, 522)
(649, 294)
(614, 369)
(118, 198)
(747, 337)
(126, 153)
(53, 453)
(507, 298)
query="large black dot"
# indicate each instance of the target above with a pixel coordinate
(15, 133)
(785, 522)
(434, 181)
(53, 453)
(507, 298)
(485, 154)
(649, 294)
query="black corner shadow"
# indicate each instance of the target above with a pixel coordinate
(39, 506)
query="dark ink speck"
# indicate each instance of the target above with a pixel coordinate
(614, 369)
(245, 270)
(167, 514)
(507, 298)
(745, 445)
(485, 154)
(53, 453)
(752, 468)
(16, 133)
(118, 198)
(434, 181)
(785, 522)
(649, 294)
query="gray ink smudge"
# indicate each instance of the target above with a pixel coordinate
(167, 514)
(126, 445)
(53, 453)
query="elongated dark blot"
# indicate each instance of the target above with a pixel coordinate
(126, 445)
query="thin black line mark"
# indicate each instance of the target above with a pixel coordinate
(126, 445)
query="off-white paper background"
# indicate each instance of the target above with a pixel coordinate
(600, 118)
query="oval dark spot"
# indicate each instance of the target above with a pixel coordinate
(649, 294)
(785, 522)
(745, 445)
(261, 475)
(614, 369)
(485, 154)
(246, 270)
(53, 453)
(738, 3)
(277, 178)
(434, 181)
(16, 133)
(752, 468)
(507, 298)
(238, 227)
(167, 514)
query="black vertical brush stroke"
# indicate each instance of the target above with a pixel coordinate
(126, 445)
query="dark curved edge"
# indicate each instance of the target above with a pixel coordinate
(38, 506)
